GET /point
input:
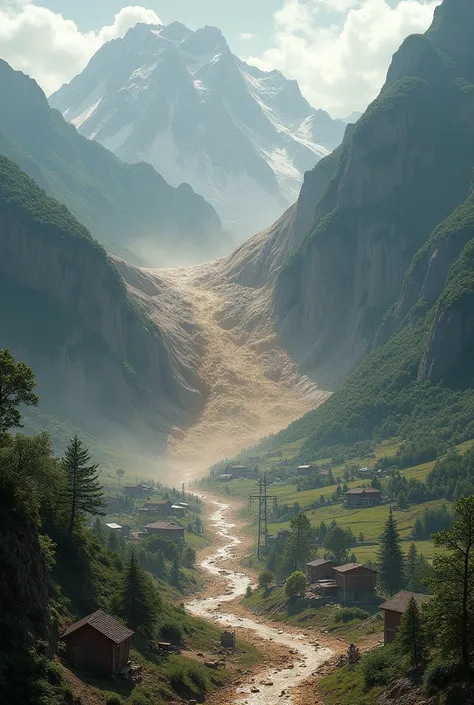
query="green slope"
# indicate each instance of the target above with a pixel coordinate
(130, 209)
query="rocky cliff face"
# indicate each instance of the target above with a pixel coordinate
(403, 169)
(100, 362)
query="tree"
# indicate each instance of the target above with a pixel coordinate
(17, 382)
(417, 570)
(452, 580)
(120, 473)
(113, 541)
(390, 557)
(376, 484)
(295, 585)
(361, 537)
(189, 557)
(411, 634)
(175, 575)
(300, 545)
(264, 579)
(160, 563)
(402, 502)
(83, 493)
(138, 602)
(338, 542)
(98, 530)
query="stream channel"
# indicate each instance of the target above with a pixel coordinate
(308, 657)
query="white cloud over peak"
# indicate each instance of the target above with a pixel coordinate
(51, 48)
(340, 50)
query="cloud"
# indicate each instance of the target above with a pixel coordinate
(246, 36)
(339, 50)
(51, 48)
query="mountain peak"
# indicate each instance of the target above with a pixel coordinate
(452, 32)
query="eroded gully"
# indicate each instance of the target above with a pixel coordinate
(307, 656)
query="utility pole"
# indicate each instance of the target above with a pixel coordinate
(262, 499)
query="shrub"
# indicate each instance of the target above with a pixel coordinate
(114, 699)
(53, 673)
(248, 592)
(439, 673)
(381, 666)
(188, 678)
(171, 630)
(347, 614)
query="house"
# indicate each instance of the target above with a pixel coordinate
(134, 490)
(363, 497)
(393, 610)
(168, 529)
(305, 469)
(366, 472)
(111, 505)
(160, 507)
(283, 534)
(100, 641)
(178, 510)
(239, 471)
(113, 526)
(320, 569)
(355, 582)
(225, 477)
(254, 460)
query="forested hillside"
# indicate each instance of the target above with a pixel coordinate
(385, 274)
(129, 208)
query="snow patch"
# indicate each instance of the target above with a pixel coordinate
(80, 119)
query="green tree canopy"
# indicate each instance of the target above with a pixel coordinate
(452, 581)
(17, 382)
(83, 493)
(264, 579)
(295, 585)
(138, 602)
(337, 542)
(300, 546)
(390, 557)
(411, 634)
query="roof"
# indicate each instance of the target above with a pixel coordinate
(168, 525)
(304, 467)
(103, 623)
(351, 566)
(399, 602)
(113, 525)
(319, 561)
(178, 506)
(157, 501)
(133, 487)
(364, 490)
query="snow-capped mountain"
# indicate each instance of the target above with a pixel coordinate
(181, 101)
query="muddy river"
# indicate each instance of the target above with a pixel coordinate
(307, 656)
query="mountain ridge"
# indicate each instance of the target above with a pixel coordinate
(182, 101)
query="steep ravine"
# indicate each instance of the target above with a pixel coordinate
(250, 384)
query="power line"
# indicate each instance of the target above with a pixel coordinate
(262, 499)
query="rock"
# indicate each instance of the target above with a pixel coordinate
(254, 690)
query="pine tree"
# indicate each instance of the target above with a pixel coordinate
(160, 563)
(83, 494)
(411, 634)
(299, 546)
(416, 570)
(390, 557)
(98, 530)
(139, 604)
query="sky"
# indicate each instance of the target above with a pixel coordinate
(338, 50)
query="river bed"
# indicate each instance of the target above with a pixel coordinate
(307, 657)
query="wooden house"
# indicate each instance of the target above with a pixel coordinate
(355, 582)
(98, 641)
(305, 469)
(363, 497)
(160, 507)
(320, 569)
(168, 529)
(393, 610)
